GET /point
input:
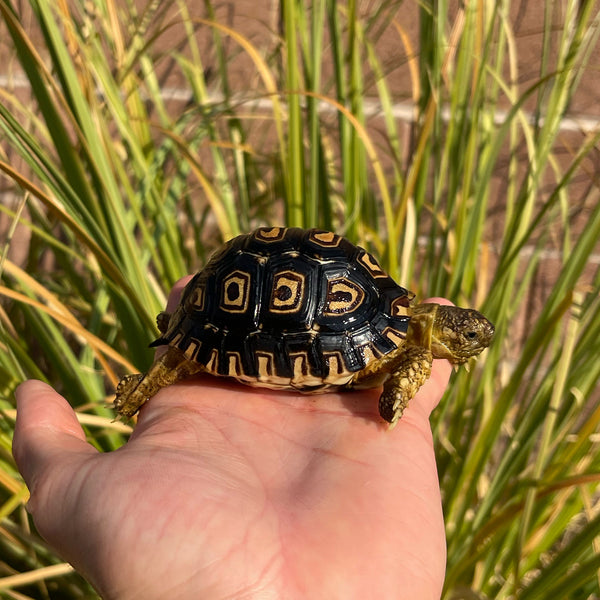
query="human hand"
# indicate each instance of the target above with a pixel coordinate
(225, 491)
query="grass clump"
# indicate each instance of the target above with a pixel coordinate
(126, 159)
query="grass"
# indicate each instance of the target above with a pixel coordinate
(122, 190)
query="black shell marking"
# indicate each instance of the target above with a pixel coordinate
(289, 308)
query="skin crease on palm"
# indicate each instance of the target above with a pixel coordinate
(225, 491)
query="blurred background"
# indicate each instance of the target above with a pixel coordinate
(458, 142)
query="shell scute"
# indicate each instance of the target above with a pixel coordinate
(289, 301)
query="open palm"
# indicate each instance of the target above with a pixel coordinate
(224, 491)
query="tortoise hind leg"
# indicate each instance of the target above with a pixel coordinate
(410, 373)
(135, 390)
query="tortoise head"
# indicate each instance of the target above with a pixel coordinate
(457, 334)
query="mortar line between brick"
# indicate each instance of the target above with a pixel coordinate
(405, 111)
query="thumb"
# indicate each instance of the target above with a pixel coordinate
(46, 432)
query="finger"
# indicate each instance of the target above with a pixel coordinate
(438, 300)
(46, 428)
(176, 292)
(172, 302)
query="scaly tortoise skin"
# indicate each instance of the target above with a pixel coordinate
(305, 310)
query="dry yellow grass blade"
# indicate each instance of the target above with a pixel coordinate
(262, 68)
(34, 576)
(375, 163)
(218, 209)
(55, 309)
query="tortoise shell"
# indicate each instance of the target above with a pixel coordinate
(305, 310)
(288, 308)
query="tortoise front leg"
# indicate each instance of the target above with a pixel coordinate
(410, 373)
